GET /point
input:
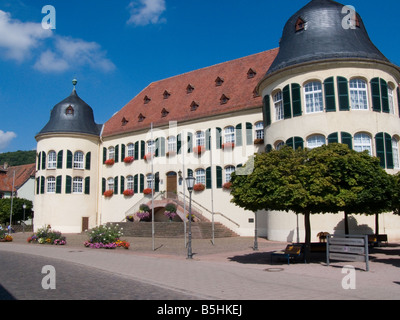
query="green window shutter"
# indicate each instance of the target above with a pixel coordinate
(142, 149)
(296, 98)
(398, 98)
(116, 156)
(389, 151)
(333, 138)
(376, 95)
(69, 159)
(141, 183)
(330, 102)
(239, 140)
(136, 150)
(249, 134)
(37, 185)
(298, 143)
(179, 143)
(116, 185)
(87, 185)
(189, 172)
(208, 139)
(103, 185)
(123, 148)
(385, 96)
(135, 184)
(60, 159)
(208, 178)
(68, 185)
(43, 160)
(58, 184)
(347, 139)
(157, 147)
(42, 184)
(104, 155)
(343, 93)
(189, 142)
(162, 147)
(218, 137)
(219, 177)
(380, 148)
(39, 159)
(157, 182)
(268, 148)
(88, 159)
(287, 109)
(122, 189)
(267, 110)
(290, 142)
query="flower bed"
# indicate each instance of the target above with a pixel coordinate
(170, 211)
(106, 237)
(4, 237)
(47, 236)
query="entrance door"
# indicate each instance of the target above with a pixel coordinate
(172, 184)
(85, 223)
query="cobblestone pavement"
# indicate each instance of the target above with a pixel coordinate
(230, 269)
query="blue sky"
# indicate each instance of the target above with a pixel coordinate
(116, 48)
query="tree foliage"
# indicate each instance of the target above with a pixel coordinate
(18, 158)
(18, 211)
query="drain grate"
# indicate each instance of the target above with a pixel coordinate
(274, 269)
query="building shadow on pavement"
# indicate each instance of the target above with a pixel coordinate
(5, 295)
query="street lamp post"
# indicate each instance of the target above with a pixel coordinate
(190, 184)
(23, 226)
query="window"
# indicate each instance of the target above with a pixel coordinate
(228, 172)
(201, 176)
(69, 111)
(111, 153)
(300, 24)
(390, 99)
(200, 138)
(259, 127)
(77, 185)
(315, 141)
(110, 184)
(313, 97)
(229, 134)
(171, 144)
(358, 94)
(279, 145)
(395, 152)
(278, 103)
(78, 160)
(129, 183)
(362, 142)
(131, 150)
(151, 147)
(51, 185)
(52, 160)
(150, 181)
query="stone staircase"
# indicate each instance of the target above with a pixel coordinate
(200, 230)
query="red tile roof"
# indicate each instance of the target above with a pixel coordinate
(22, 174)
(219, 89)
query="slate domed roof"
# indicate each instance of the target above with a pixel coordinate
(321, 36)
(72, 115)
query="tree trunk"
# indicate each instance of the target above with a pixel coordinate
(346, 223)
(376, 223)
(307, 245)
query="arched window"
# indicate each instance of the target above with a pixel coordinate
(129, 182)
(259, 130)
(78, 160)
(315, 141)
(279, 145)
(52, 160)
(111, 153)
(200, 176)
(150, 181)
(362, 142)
(200, 139)
(395, 152)
(229, 134)
(358, 94)
(390, 99)
(171, 144)
(131, 150)
(278, 104)
(228, 172)
(151, 147)
(313, 97)
(51, 185)
(110, 184)
(77, 185)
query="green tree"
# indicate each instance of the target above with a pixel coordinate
(18, 211)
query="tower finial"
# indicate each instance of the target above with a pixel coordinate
(74, 82)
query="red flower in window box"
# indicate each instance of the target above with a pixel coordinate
(129, 159)
(109, 162)
(108, 193)
(128, 193)
(228, 145)
(258, 141)
(199, 149)
(170, 154)
(147, 157)
(147, 191)
(227, 185)
(199, 187)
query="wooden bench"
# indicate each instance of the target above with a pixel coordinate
(292, 251)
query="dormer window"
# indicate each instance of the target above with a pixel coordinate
(224, 99)
(219, 81)
(124, 122)
(146, 100)
(194, 105)
(69, 111)
(166, 94)
(300, 24)
(164, 113)
(251, 73)
(141, 117)
(189, 89)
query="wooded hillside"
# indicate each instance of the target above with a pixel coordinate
(18, 158)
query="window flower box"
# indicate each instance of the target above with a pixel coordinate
(170, 154)
(129, 159)
(109, 162)
(199, 187)
(147, 191)
(199, 150)
(148, 156)
(258, 141)
(128, 193)
(227, 185)
(228, 145)
(108, 193)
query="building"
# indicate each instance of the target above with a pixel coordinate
(336, 86)
(23, 181)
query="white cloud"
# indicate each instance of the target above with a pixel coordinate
(71, 53)
(5, 138)
(18, 38)
(144, 12)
